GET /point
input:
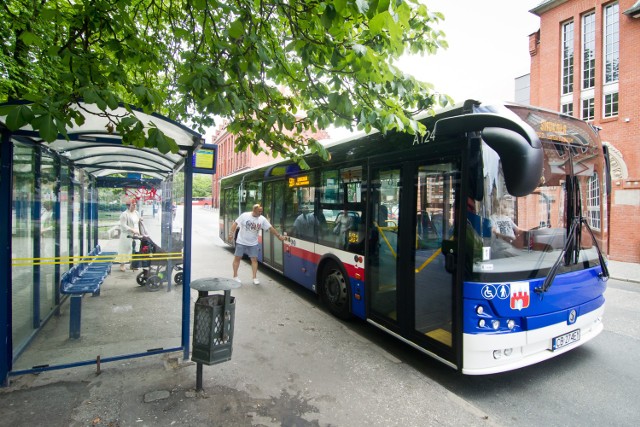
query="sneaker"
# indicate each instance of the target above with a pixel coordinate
(256, 281)
(237, 279)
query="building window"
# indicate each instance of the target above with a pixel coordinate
(611, 104)
(588, 109)
(611, 43)
(593, 202)
(589, 51)
(567, 108)
(567, 58)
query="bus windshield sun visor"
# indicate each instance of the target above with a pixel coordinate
(516, 143)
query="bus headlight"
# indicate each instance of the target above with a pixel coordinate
(497, 354)
(479, 309)
(511, 324)
(507, 352)
(495, 324)
(481, 323)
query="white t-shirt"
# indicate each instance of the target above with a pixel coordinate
(250, 226)
(505, 226)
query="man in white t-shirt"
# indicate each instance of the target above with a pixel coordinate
(249, 225)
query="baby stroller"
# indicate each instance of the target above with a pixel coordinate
(154, 272)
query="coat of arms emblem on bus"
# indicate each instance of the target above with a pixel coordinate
(519, 296)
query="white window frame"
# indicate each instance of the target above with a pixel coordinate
(593, 202)
(588, 50)
(592, 108)
(611, 42)
(605, 104)
(567, 48)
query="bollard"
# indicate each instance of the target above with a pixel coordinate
(213, 319)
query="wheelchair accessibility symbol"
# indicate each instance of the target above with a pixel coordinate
(489, 291)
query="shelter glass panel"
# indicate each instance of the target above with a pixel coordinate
(48, 199)
(77, 217)
(22, 245)
(64, 224)
(133, 311)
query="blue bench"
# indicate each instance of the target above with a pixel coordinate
(84, 278)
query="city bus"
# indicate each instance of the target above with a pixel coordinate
(481, 243)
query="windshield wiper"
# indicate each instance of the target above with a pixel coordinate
(604, 274)
(554, 270)
(571, 238)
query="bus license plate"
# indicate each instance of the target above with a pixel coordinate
(566, 339)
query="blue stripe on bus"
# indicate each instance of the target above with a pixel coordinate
(580, 290)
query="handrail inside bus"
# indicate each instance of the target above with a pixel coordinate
(384, 237)
(429, 260)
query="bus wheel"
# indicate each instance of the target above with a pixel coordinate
(335, 291)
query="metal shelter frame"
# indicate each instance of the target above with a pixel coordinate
(100, 153)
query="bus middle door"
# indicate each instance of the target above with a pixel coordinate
(410, 290)
(273, 210)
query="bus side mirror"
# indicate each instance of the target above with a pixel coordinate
(521, 163)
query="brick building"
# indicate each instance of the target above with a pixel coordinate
(230, 162)
(585, 61)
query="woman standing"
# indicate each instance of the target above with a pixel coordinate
(129, 225)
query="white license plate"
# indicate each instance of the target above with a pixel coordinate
(565, 339)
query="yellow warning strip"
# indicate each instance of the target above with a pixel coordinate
(24, 262)
(440, 335)
(431, 258)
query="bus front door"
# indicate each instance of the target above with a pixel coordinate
(411, 292)
(272, 251)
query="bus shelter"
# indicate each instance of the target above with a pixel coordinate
(61, 203)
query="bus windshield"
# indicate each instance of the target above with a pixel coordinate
(524, 236)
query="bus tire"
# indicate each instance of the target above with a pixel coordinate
(335, 290)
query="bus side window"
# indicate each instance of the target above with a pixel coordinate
(300, 220)
(330, 187)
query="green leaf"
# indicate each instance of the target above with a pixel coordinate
(383, 5)
(379, 22)
(341, 6)
(46, 127)
(129, 121)
(328, 16)
(6, 109)
(30, 38)
(236, 29)
(19, 116)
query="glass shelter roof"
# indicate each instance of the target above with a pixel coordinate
(100, 153)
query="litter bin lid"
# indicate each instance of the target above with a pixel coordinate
(214, 284)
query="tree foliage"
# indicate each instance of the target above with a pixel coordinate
(202, 185)
(273, 68)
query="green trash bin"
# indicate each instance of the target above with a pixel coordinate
(213, 320)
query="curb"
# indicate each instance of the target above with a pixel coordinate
(624, 279)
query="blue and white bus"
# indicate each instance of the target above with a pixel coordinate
(482, 244)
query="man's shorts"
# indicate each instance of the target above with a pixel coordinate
(250, 251)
